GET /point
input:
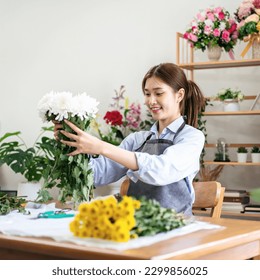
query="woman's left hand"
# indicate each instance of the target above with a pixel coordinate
(82, 141)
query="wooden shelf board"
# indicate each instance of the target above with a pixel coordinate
(234, 145)
(220, 64)
(247, 97)
(234, 113)
(249, 163)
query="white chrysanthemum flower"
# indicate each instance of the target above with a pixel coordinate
(61, 105)
(44, 105)
(84, 106)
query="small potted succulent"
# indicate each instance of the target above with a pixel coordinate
(242, 154)
(255, 154)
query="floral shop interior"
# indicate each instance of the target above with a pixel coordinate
(86, 62)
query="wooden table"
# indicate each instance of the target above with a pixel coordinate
(240, 239)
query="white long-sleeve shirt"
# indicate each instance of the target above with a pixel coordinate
(179, 161)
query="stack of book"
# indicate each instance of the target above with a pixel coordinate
(235, 200)
(250, 208)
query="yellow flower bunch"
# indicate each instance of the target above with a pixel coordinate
(106, 219)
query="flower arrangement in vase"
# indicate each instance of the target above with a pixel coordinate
(248, 18)
(213, 27)
(71, 174)
(230, 99)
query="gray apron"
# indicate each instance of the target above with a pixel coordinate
(175, 195)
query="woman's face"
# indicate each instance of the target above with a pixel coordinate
(162, 101)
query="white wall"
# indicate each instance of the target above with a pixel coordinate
(95, 46)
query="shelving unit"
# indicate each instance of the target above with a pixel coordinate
(185, 59)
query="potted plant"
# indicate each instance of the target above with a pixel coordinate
(30, 162)
(213, 28)
(230, 99)
(255, 154)
(242, 154)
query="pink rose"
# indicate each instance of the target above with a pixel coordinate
(225, 36)
(216, 32)
(232, 28)
(221, 16)
(193, 37)
(210, 16)
(186, 35)
(217, 10)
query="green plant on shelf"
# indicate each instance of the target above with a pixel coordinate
(229, 93)
(242, 150)
(255, 150)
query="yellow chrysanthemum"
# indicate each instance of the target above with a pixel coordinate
(137, 204)
(106, 219)
(83, 208)
(130, 221)
(122, 235)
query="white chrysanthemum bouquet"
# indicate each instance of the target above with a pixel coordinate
(71, 174)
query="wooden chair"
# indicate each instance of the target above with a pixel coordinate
(207, 195)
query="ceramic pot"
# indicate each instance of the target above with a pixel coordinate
(214, 52)
(230, 105)
(241, 157)
(255, 157)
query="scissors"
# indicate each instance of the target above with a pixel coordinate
(55, 214)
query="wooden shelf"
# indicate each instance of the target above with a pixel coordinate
(234, 163)
(220, 64)
(236, 145)
(235, 113)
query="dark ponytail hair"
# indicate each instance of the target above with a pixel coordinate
(193, 102)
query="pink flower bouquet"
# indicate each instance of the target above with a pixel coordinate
(212, 26)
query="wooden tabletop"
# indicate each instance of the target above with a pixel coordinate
(239, 239)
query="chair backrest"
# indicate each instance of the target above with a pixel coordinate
(124, 186)
(209, 194)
